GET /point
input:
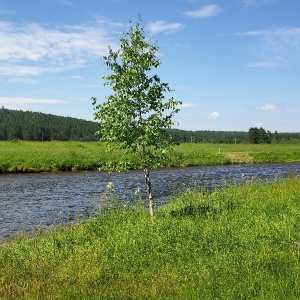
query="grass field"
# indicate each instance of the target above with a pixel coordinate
(23, 156)
(239, 243)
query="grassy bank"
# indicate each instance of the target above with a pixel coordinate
(23, 156)
(240, 243)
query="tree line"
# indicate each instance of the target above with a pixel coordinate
(207, 136)
(36, 126)
(253, 136)
(262, 136)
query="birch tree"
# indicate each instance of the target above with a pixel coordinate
(136, 116)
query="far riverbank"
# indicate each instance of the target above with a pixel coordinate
(34, 157)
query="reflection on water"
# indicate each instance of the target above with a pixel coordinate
(30, 201)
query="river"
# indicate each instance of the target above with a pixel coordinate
(42, 200)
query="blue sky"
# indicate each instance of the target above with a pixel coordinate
(234, 64)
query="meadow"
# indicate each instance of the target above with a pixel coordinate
(237, 243)
(21, 156)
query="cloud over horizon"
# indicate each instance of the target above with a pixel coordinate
(268, 106)
(26, 103)
(24, 100)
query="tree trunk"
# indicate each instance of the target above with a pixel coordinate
(149, 190)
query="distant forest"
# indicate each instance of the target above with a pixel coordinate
(253, 136)
(35, 126)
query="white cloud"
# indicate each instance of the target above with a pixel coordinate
(256, 3)
(281, 45)
(33, 49)
(21, 101)
(77, 77)
(290, 35)
(207, 11)
(188, 105)
(67, 3)
(31, 104)
(268, 106)
(262, 64)
(162, 26)
(13, 70)
(213, 115)
(23, 80)
(258, 124)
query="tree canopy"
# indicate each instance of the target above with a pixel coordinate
(136, 116)
(259, 136)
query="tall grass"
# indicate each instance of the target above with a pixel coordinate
(238, 243)
(20, 156)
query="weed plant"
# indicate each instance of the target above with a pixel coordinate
(238, 243)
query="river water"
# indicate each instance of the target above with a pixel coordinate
(41, 200)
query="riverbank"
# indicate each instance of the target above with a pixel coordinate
(38, 200)
(21, 156)
(239, 243)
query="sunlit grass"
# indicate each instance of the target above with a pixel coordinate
(238, 243)
(24, 156)
(222, 154)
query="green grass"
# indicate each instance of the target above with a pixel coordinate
(238, 243)
(214, 154)
(72, 156)
(53, 156)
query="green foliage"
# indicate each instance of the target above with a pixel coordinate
(33, 126)
(260, 136)
(239, 243)
(136, 116)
